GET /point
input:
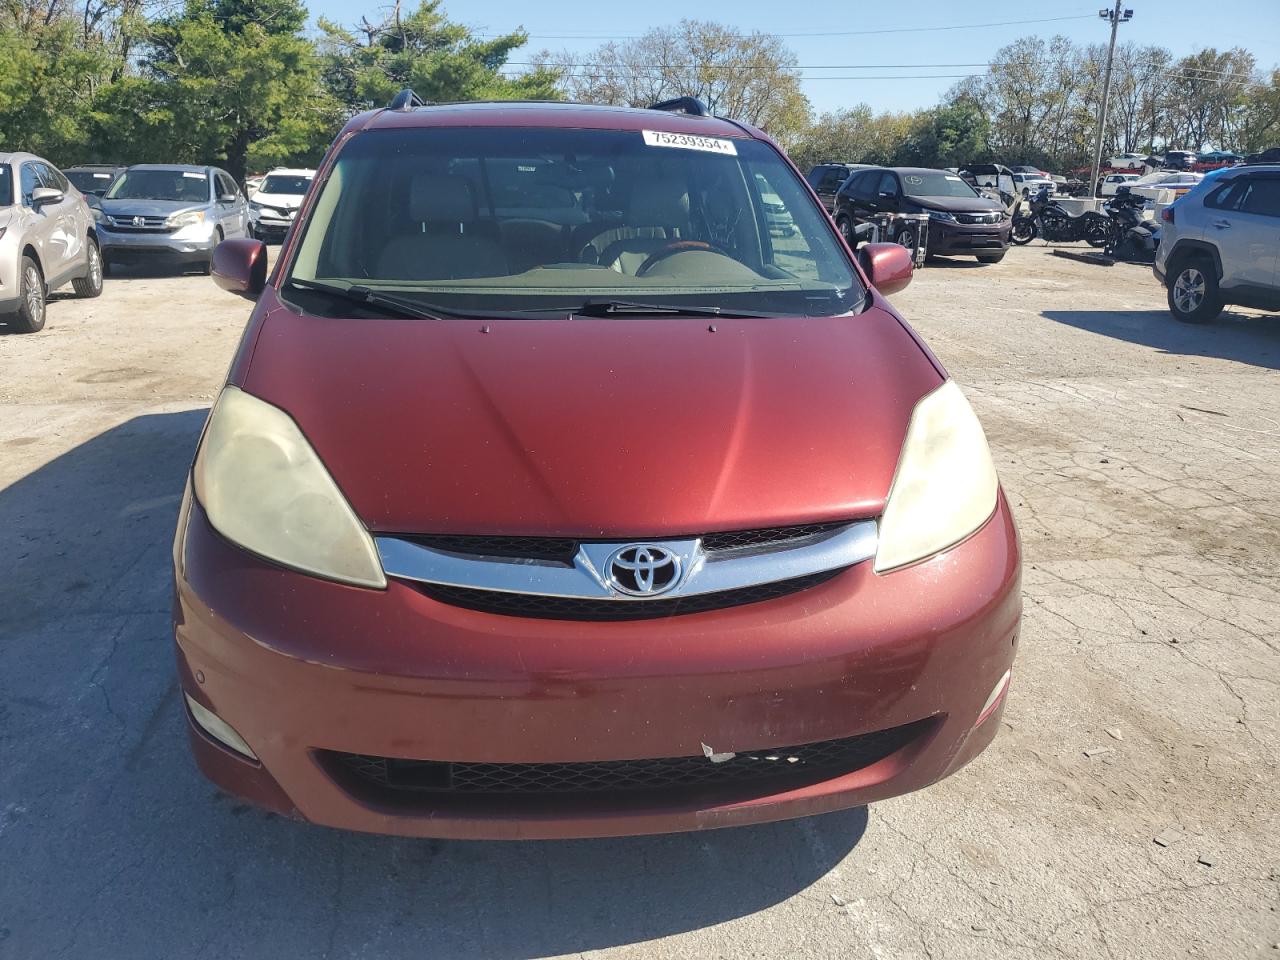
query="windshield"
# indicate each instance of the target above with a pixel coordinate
(520, 219)
(286, 184)
(89, 181)
(930, 183)
(181, 185)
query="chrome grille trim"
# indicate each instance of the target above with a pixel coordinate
(702, 571)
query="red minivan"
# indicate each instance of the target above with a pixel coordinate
(556, 491)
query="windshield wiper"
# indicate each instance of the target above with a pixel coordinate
(629, 308)
(367, 297)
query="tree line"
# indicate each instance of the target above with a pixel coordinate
(246, 83)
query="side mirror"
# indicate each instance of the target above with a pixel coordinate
(228, 198)
(240, 266)
(42, 195)
(888, 266)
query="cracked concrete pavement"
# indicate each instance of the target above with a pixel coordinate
(1143, 461)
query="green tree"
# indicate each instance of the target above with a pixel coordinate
(231, 76)
(364, 67)
(951, 135)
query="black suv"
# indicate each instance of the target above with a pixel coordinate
(961, 222)
(1178, 160)
(93, 179)
(826, 178)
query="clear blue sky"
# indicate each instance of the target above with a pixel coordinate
(1180, 25)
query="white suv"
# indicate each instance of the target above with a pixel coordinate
(1219, 244)
(273, 206)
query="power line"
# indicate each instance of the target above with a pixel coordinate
(822, 33)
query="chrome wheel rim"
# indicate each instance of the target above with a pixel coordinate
(846, 229)
(95, 267)
(35, 295)
(1188, 290)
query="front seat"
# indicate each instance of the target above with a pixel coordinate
(446, 243)
(659, 217)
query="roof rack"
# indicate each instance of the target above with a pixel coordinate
(406, 99)
(690, 105)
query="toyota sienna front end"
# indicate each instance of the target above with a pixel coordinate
(552, 493)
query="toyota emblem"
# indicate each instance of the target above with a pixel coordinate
(643, 570)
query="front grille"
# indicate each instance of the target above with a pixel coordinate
(772, 769)
(977, 218)
(562, 549)
(576, 608)
(125, 224)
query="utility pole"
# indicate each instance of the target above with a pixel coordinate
(1116, 16)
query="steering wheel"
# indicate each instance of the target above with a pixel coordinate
(671, 249)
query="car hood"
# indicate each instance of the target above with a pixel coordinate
(597, 427)
(958, 204)
(285, 201)
(149, 208)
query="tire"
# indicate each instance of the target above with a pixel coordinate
(1193, 291)
(991, 257)
(1023, 232)
(206, 268)
(29, 317)
(845, 226)
(1098, 230)
(90, 285)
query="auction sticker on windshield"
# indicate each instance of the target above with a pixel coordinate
(685, 141)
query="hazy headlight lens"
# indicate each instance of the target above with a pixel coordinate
(942, 215)
(264, 488)
(945, 487)
(188, 219)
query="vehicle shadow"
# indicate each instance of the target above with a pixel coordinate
(1244, 337)
(113, 844)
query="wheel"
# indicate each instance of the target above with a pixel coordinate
(845, 226)
(31, 304)
(1099, 231)
(1026, 193)
(991, 257)
(1193, 292)
(1023, 231)
(90, 285)
(905, 236)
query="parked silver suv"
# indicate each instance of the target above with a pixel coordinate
(47, 239)
(171, 214)
(1219, 244)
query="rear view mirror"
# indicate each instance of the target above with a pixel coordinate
(888, 266)
(240, 266)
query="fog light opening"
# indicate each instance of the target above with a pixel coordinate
(993, 701)
(219, 729)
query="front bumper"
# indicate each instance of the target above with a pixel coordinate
(270, 225)
(300, 667)
(949, 239)
(154, 247)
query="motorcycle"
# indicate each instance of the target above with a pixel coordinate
(1133, 238)
(1049, 219)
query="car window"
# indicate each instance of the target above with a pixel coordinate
(833, 178)
(6, 185)
(227, 186)
(90, 180)
(287, 184)
(1262, 197)
(622, 215)
(864, 186)
(28, 180)
(931, 183)
(51, 177)
(887, 183)
(179, 185)
(1227, 196)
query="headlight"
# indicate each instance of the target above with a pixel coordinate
(945, 486)
(188, 219)
(256, 207)
(264, 488)
(941, 215)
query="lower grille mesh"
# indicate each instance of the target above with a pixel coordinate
(774, 769)
(573, 608)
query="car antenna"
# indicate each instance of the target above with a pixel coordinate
(690, 105)
(406, 100)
